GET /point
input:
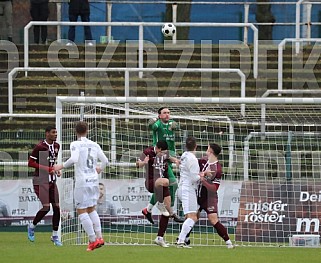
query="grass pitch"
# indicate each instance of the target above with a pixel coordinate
(15, 247)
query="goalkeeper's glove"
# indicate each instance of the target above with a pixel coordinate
(173, 125)
(151, 121)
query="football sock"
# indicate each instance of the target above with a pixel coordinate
(189, 233)
(186, 228)
(163, 222)
(172, 190)
(55, 217)
(41, 214)
(171, 211)
(221, 231)
(150, 207)
(87, 224)
(153, 200)
(54, 233)
(96, 222)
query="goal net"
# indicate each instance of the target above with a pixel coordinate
(270, 189)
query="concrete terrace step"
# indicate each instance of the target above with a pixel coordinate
(100, 57)
(36, 93)
(162, 55)
(245, 64)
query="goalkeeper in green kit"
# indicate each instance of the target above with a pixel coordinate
(163, 129)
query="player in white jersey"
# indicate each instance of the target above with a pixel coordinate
(84, 156)
(189, 179)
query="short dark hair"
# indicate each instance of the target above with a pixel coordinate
(162, 145)
(160, 109)
(49, 128)
(190, 143)
(216, 149)
(81, 127)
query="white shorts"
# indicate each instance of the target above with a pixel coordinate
(86, 197)
(188, 197)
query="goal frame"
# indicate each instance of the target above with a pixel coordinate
(125, 102)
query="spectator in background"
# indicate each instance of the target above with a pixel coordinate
(79, 8)
(264, 15)
(104, 207)
(6, 12)
(39, 11)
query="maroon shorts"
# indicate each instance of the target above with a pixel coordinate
(150, 186)
(208, 199)
(47, 193)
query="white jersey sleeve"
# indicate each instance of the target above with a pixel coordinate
(189, 169)
(74, 152)
(103, 159)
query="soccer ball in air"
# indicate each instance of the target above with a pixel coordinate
(168, 29)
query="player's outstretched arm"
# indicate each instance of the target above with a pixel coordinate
(32, 163)
(58, 167)
(174, 160)
(71, 161)
(152, 124)
(173, 125)
(140, 163)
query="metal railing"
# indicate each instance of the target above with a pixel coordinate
(286, 134)
(126, 75)
(141, 26)
(280, 93)
(297, 23)
(280, 55)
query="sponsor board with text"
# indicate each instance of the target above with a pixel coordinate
(272, 212)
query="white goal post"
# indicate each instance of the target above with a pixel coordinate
(269, 178)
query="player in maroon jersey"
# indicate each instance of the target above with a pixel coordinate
(155, 159)
(43, 158)
(207, 193)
